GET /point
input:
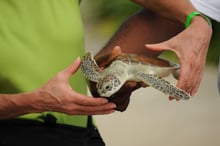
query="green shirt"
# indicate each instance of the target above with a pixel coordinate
(39, 38)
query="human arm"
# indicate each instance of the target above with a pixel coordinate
(190, 45)
(173, 10)
(141, 28)
(56, 95)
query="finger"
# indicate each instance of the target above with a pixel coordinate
(88, 100)
(116, 51)
(71, 69)
(167, 45)
(105, 112)
(162, 47)
(196, 79)
(195, 89)
(93, 110)
(185, 77)
(159, 46)
(191, 75)
(101, 112)
(76, 109)
(154, 47)
(104, 60)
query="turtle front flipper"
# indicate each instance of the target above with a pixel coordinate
(163, 86)
(90, 68)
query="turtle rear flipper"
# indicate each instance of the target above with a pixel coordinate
(163, 86)
(90, 68)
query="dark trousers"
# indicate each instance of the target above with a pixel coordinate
(17, 132)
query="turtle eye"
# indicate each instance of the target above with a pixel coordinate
(107, 87)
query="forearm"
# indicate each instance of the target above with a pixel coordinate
(175, 10)
(13, 105)
(142, 28)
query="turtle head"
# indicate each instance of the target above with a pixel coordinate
(109, 85)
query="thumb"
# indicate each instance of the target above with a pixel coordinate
(108, 57)
(158, 47)
(72, 68)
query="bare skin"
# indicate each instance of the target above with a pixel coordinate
(162, 28)
(176, 11)
(138, 30)
(190, 45)
(192, 55)
(131, 37)
(146, 27)
(56, 95)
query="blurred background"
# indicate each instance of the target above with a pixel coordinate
(151, 119)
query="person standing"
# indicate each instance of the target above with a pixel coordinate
(43, 98)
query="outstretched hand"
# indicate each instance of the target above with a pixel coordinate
(191, 46)
(58, 96)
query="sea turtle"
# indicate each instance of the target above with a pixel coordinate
(131, 67)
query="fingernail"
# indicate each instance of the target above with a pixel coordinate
(146, 45)
(105, 101)
(112, 111)
(113, 105)
(77, 59)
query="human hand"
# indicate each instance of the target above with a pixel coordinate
(191, 46)
(58, 96)
(122, 97)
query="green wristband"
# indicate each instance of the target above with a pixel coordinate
(193, 14)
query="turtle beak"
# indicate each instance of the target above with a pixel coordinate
(104, 93)
(102, 89)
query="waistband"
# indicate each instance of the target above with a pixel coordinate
(80, 121)
(48, 120)
(30, 132)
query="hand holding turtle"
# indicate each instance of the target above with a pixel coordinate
(142, 70)
(58, 96)
(192, 55)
